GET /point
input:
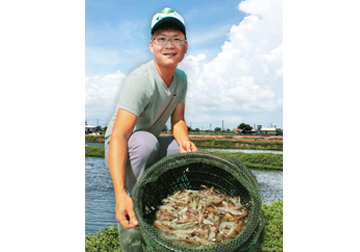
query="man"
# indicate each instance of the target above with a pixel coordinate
(151, 94)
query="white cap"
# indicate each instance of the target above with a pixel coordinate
(168, 15)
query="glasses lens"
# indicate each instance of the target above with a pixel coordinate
(161, 41)
(177, 41)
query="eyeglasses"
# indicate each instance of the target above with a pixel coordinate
(162, 41)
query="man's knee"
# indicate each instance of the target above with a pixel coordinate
(143, 143)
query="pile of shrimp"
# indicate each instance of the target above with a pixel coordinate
(200, 216)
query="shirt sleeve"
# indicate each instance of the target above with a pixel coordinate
(134, 96)
(183, 93)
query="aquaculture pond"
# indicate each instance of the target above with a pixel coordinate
(100, 201)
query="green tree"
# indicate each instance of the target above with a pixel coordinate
(97, 128)
(197, 130)
(245, 127)
(165, 128)
(217, 129)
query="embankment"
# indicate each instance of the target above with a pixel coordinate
(265, 161)
(245, 144)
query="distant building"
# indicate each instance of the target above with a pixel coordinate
(268, 131)
(89, 129)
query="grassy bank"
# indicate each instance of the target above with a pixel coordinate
(238, 144)
(267, 161)
(215, 143)
(95, 151)
(94, 139)
(271, 240)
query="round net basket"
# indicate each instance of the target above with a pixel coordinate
(191, 171)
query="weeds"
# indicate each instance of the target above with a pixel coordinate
(266, 161)
(272, 238)
(106, 241)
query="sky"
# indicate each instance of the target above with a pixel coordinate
(234, 62)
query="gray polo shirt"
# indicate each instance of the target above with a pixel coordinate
(145, 95)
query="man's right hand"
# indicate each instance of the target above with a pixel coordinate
(124, 211)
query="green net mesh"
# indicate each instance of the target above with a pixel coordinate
(190, 171)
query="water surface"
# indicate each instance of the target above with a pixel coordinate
(100, 200)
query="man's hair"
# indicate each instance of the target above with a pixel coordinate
(167, 27)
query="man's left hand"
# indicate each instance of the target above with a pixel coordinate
(187, 146)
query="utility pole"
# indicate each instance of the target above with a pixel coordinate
(210, 127)
(222, 127)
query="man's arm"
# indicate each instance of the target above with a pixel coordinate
(180, 130)
(123, 127)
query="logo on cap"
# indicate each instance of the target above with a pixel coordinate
(168, 14)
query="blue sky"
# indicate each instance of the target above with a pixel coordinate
(122, 27)
(234, 61)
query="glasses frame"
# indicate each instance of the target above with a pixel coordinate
(169, 39)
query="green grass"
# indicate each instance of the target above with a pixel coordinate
(95, 151)
(265, 161)
(106, 241)
(220, 144)
(94, 139)
(238, 144)
(271, 239)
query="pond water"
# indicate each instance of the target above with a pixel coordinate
(100, 200)
(91, 144)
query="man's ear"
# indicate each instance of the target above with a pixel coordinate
(151, 46)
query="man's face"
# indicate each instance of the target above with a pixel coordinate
(168, 55)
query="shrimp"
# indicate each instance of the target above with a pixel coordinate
(203, 217)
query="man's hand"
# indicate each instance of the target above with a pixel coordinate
(187, 146)
(124, 211)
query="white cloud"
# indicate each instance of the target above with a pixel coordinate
(246, 76)
(101, 94)
(100, 56)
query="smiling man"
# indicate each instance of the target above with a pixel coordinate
(151, 94)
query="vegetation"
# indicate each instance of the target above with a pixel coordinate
(268, 161)
(106, 241)
(94, 139)
(245, 127)
(95, 151)
(271, 239)
(220, 144)
(238, 144)
(250, 160)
